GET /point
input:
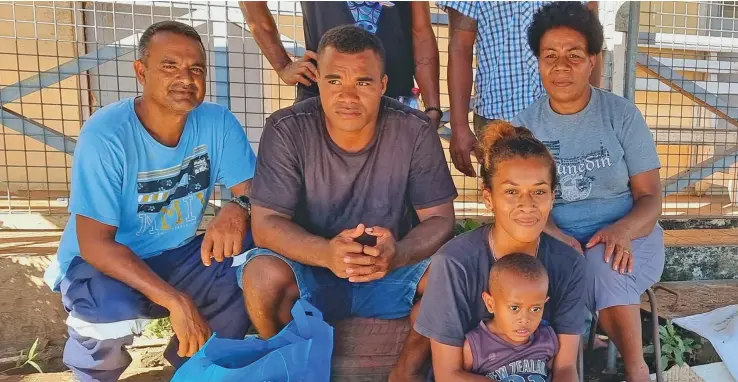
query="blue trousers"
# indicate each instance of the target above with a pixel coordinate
(105, 314)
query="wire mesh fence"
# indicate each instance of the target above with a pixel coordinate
(687, 88)
(62, 61)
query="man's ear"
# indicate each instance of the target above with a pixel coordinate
(384, 83)
(140, 68)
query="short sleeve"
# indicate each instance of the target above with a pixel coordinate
(430, 183)
(238, 161)
(467, 8)
(97, 179)
(637, 142)
(569, 313)
(278, 180)
(445, 311)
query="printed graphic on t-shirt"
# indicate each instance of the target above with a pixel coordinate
(173, 198)
(526, 370)
(575, 173)
(366, 13)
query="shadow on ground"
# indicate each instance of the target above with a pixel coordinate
(29, 310)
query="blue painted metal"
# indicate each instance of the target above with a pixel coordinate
(700, 171)
(37, 131)
(689, 89)
(439, 18)
(68, 69)
(221, 88)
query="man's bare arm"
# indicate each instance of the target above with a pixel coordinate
(436, 228)
(225, 233)
(280, 234)
(265, 32)
(425, 54)
(98, 248)
(463, 33)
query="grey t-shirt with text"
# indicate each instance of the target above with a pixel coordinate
(302, 173)
(597, 150)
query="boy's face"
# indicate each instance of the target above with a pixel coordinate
(517, 305)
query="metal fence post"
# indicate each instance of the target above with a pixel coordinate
(631, 49)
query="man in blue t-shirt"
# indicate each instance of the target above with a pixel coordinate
(144, 169)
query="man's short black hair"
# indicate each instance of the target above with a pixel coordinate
(521, 265)
(569, 14)
(165, 26)
(350, 39)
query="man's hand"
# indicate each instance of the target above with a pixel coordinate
(188, 324)
(463, 143)
(384, 255)
(300, 70)
(617, 241)
(224, 236)
(346, 254)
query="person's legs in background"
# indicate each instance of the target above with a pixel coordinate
(618, 298)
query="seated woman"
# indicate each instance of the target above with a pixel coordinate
(518, 174)
(608, 198)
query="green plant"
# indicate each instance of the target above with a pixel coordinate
(159, 328)
(24, 359)
(465, 225)
(674, 346)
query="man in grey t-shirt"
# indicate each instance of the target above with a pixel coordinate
(351, 196)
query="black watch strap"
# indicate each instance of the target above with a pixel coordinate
(432, 108)
(243, 201)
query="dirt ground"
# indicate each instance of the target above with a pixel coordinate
(28, 309)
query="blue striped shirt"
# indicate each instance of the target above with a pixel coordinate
(507, 79)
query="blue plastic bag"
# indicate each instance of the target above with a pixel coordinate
(300, 352)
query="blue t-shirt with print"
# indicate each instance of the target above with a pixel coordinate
(156, 195)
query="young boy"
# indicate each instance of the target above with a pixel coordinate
(513, 342)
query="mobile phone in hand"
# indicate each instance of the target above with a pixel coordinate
(366, 239)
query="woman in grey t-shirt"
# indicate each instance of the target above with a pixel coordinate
(608, 199)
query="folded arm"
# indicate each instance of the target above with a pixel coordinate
(436, 227)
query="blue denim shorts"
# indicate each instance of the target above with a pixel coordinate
(388, 298)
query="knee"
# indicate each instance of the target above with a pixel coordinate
(267, 276)
(422, 283)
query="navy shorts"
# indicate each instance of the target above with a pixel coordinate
(94, 298)
(388, 298)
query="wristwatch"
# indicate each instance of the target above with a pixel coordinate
(244, 202)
